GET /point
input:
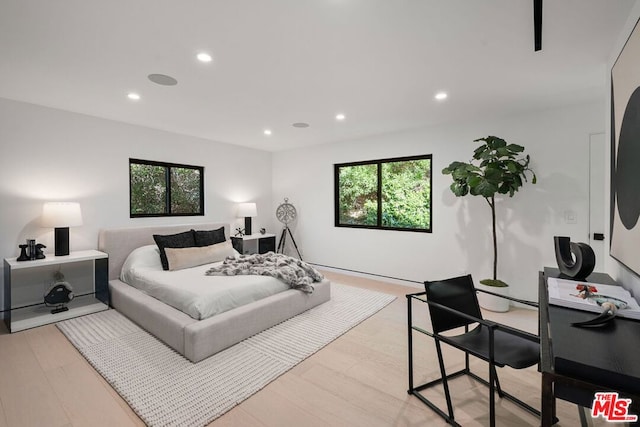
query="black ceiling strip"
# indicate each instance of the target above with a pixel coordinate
(537, 24)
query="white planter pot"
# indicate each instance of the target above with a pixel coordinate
(491, 302)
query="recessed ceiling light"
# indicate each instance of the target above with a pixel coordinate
(204, 57)
(134, 96)
(267, 132)
(441, 95)
(162, 79)
(340, 117)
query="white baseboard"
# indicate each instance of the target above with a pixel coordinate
(372, 276)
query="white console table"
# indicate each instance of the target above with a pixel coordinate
(26, 282)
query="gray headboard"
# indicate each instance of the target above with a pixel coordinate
(119, 242)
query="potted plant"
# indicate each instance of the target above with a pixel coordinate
(496, 168)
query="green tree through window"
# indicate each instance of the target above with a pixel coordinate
(165, 189)
(392, 194)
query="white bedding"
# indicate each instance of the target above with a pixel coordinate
(190, 290)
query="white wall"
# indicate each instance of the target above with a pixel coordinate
(50, 154)
(558, 142)
(618, 271)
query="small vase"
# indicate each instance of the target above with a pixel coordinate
(491, 302)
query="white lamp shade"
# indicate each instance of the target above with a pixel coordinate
(247, 210)
(61, 214)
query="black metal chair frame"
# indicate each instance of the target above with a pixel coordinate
(493, 383)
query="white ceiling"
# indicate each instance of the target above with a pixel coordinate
(277, 62)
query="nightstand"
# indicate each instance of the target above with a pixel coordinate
(254, 243)
(26, 282)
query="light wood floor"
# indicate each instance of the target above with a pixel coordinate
(358, 380)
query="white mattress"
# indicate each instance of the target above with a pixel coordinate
(190, 290)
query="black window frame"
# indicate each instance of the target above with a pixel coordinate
(379, 163)
(167, 167)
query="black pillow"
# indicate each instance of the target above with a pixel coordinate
(185, 239)
(210, 237)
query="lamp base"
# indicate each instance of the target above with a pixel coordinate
(247, 225)
(61, 236)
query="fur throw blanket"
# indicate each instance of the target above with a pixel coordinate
(292, 271)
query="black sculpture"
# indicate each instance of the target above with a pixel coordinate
(23, 253)
(39, 253)
(59, 294)
(576, 260)
(31, 250)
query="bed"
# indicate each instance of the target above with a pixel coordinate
(195, 339)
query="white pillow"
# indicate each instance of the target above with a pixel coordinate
(179, 258)
(145, 257)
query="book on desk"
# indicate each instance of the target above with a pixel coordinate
(566, 293)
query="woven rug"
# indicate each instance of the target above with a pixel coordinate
(165, 389)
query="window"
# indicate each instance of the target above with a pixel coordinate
(165, 189)
(389, 194)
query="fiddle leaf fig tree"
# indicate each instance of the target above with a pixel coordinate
(496, 168)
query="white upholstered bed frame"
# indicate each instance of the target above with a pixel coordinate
(195, 339)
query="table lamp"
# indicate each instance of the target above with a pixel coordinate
(61, 216)
(246, 211)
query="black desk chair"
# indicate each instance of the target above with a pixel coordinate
(453, 303)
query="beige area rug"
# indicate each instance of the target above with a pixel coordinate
(165, 389)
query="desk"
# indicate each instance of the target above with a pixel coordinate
(577, 362)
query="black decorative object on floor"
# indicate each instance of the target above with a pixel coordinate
(576, 260)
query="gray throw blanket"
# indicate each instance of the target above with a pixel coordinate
(292, 271)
